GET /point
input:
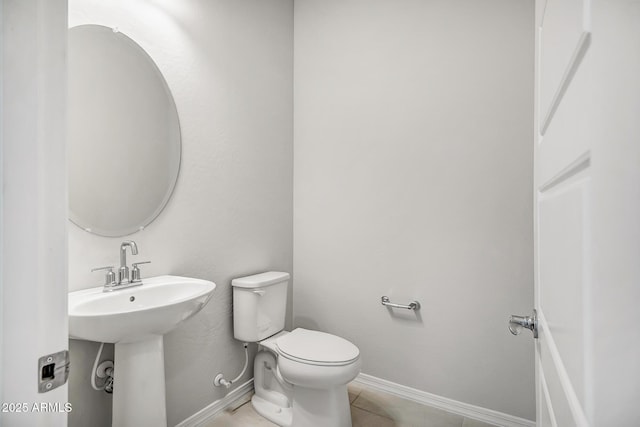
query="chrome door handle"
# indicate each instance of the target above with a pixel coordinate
(516, 323)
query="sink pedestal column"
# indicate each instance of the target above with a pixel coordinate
(139, 388)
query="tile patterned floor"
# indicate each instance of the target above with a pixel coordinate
(369, 408)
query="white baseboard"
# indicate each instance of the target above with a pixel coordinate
(490, 416)
(470, 411)
(207, 413)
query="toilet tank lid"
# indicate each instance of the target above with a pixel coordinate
(260, 280)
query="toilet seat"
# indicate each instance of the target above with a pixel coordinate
(316, 348)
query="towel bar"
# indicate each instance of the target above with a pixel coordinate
(413, 305)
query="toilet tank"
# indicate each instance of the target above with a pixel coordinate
(259, 305)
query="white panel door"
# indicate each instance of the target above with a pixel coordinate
(33, 211)
(587, 201)
(562, 188)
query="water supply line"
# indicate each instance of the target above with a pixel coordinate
(220, 381)
(103, 370)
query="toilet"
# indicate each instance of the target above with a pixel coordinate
(300, 377)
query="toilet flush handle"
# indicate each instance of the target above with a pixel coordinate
(258, 292)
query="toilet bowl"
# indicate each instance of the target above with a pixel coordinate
(311, 370)
(316, 359)
(300, 377)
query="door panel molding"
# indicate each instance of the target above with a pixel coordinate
(572, 169)
(565, 37)
(563, 377)
(547, 409)
(572, 67)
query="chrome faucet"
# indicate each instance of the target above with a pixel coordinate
(123, 271)
(123, 280)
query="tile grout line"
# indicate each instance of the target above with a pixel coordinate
(370, 412)
(355, 398)
(353, 405)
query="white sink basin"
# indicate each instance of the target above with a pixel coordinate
(133, 314)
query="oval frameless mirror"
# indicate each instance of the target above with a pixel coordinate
(124, 134)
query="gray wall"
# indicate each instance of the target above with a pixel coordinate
(229, 66)
(413, 179)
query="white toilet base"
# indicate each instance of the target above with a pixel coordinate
(311, 408)
(321, 407)
(274, 413)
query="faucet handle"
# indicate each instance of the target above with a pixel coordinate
(135, 271)
(109, 267)
(135, 264)
(110, 277)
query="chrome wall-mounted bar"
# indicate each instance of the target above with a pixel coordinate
(413, 305)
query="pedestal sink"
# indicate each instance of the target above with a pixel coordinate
(135, 319)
